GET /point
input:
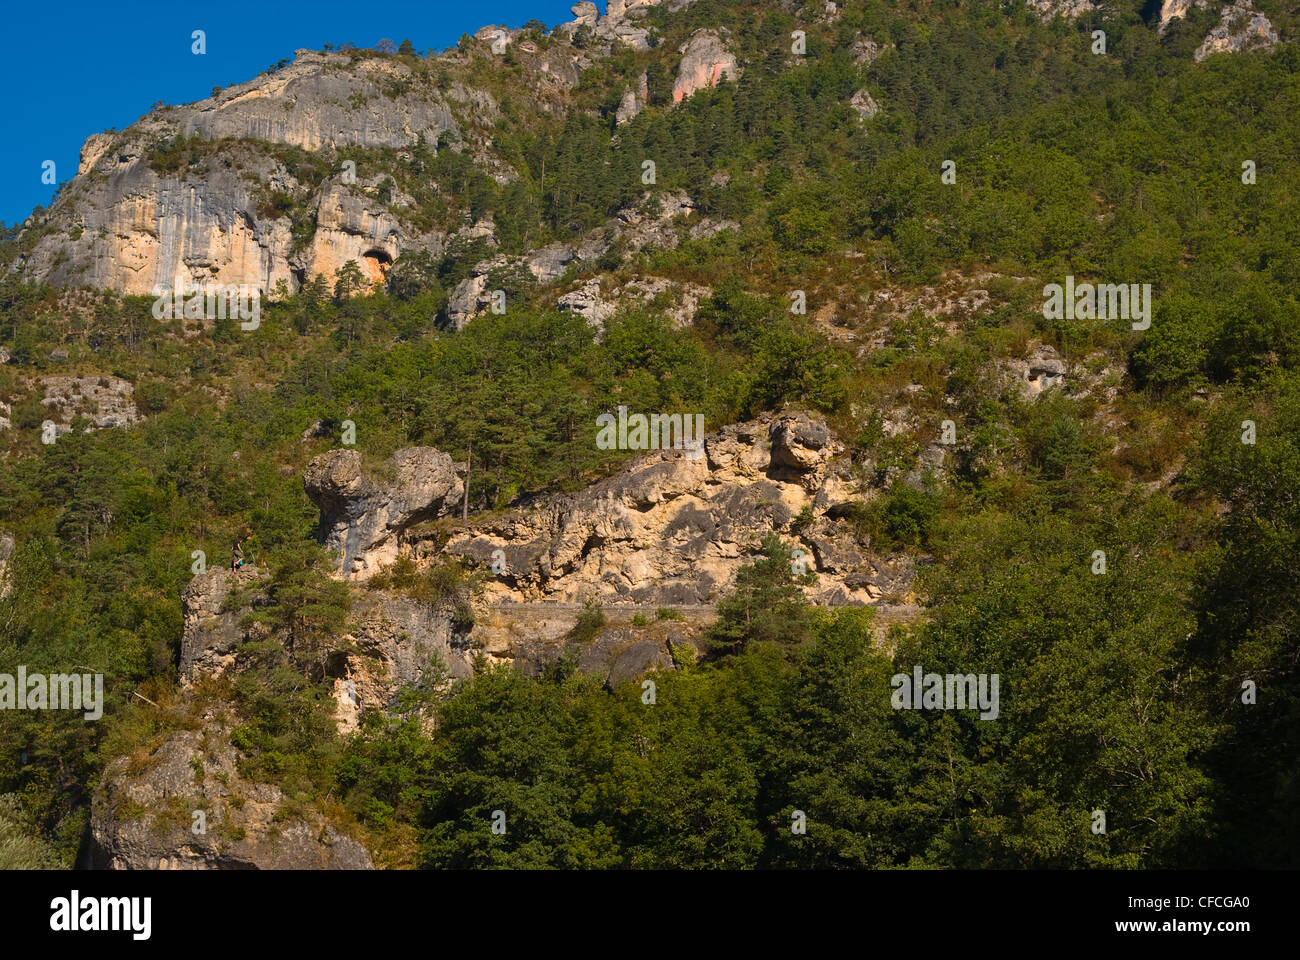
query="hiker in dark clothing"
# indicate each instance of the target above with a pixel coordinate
(238, 560)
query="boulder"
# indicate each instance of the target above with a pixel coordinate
(799, 443)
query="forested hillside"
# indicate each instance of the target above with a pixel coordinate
(871, 269)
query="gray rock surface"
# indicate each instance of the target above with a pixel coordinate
(1171, 10)
(363, 519)
(864, 104)
(143, 815)
(1242, 28)
(211, 632)
(107, 401)
(1064, 8)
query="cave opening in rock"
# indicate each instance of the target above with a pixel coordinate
(376, 264)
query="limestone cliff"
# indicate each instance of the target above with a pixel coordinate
(362, 519)
(705, 61)
(131, 222)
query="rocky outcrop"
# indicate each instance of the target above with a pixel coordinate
(211, 631)
(351, 226)
(633, 101)
(1241, 28)
(6, 551)
(683, 299)
(1171, 10)
(132, 222)
(145, 816)
(705, 61)
(363, 519)
(865, 106)
(107, 401)
(391, 644)
(388, 645)
(619, 653)
(658, 223)
(1043, 369)
(1063, 8)
(866, 50)
(473, 295)
(672, 530)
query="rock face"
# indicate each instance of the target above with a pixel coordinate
(107, 401)
(585, 12)
(865, 51)
(633, 101)
(1041, 370)
(1044, 369)
(672, 530)
(129, 223)
(865, 106)
(1064, 8)
(1241, 28)
(1171, 10)
(143, 816)
(588, 301)
(388, 646)
(659, 224)
(363, 520)
(391, 641)
(618, 654)
(212, 635)
(705, 61)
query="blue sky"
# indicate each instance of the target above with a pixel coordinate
(73, 69)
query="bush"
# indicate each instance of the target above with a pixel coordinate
(589, 623)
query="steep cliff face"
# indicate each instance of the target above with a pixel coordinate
(670, 530)
(212, 632)
(130, 223)
(134, 220)
(363, 520)
(705, 61)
